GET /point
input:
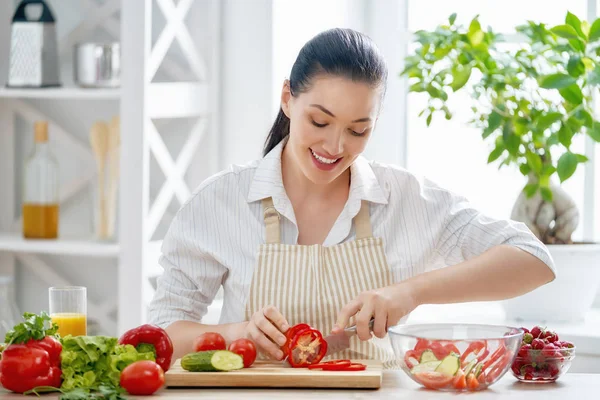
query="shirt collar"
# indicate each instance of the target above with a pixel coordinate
(268, 182)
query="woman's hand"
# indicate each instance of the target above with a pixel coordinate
(266, 329)
(387, 305)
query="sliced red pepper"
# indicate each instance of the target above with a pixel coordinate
(498, 367)
(155, 336)
(339, 365)
(422, 345)
(480, 350)
(451, 348)
(413, 355)
(356, 367)
(289, 335)
(494, 357)
(305, 348)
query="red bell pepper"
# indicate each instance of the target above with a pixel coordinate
(478, 348)
(151, 335)
(304, 346)
(26, 366)
(338, 365)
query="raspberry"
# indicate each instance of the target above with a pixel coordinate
(527, 338)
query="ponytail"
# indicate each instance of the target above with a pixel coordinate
(279, 131)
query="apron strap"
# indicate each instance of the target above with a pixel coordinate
(272, 218)
(362, 222)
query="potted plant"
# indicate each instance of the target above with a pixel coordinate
(529, 103)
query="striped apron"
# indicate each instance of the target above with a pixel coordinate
(311, 283)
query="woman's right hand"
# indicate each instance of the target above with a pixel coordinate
(266, 329)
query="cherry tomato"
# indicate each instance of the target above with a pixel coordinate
(433, 379)
(142, 378)
(246, 349)
(209, 341)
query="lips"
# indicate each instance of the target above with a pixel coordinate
(323, 163)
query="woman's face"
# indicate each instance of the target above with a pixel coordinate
(330, 125)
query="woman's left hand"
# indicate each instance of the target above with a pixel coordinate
(387, 305)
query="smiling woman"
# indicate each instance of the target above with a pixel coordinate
(340, 239)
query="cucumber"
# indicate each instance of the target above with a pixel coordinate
(470, 366)
(425, 367)
(212, 360)
(449, 365)
(427, 356)
(477, 369)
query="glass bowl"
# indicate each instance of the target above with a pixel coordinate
(542, 366)
(455, 357)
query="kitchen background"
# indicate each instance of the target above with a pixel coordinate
(199, 88)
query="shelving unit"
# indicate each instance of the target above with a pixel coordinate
(141, 101)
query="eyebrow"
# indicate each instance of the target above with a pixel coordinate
(326, 111)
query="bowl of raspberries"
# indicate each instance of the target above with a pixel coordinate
(542, 356)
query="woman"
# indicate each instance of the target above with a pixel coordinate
(340, 239)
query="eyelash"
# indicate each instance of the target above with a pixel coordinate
(353, 133)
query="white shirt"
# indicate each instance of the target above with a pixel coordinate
(214, 238)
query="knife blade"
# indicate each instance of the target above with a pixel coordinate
(341, 341)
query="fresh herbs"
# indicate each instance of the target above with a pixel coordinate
(34, 327)
(102, 392)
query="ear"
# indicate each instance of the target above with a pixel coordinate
(286, 96)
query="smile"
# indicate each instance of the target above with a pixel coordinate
(323, 159)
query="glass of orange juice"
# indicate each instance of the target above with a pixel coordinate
(68, 309)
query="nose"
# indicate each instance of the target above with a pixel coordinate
(334, 143)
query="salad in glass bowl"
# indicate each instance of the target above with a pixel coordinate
(455, 357)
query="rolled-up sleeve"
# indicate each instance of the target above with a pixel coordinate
(467, 233)
(192, 275)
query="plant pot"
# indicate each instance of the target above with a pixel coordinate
(570, 296)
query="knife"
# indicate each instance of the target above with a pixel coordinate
(341, 341)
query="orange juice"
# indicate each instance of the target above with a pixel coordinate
(70, 324)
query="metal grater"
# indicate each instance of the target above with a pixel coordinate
(33, 49)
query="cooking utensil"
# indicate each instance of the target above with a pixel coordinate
(97, 65)
(33, 48)
(270, 374)
(341, 341)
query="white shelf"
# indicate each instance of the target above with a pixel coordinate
(60, 93)
(13, 242)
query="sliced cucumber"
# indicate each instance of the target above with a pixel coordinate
(449, 365)
(428, 366)
(427, 356)
(477, 369)
(213, 360)
(470, 366)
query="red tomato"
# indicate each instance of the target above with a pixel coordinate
(209, 341)
(246, 349)
(433, 380)
(142, 378)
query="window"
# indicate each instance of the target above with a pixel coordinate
(452, 153)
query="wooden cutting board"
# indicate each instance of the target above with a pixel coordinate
(268, 374)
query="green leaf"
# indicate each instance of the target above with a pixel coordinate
(594, 133)
(495, 154)
(511, 141)
(577, 45)
(525, 169)
(475, 34)
(572, 94)
(531, 189)
(594, 76)
(34, 327)
(585, 118)
(575, 67)
(594, 31)
(585, 28)
(567, 164)
(556, 81)
(565, 135)
(429, 118)
(573, 21)
(416, 87)
(564, 31)
(452, 19)
(546, 194)
(460, 76)
(546, 120)
(494, 121)
(535, 161)
(581, 158)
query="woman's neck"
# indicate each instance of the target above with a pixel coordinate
(299, 188)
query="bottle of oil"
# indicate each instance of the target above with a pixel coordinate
(40, 195)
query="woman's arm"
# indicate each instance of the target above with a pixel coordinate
(501, 272)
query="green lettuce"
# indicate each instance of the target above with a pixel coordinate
(90, 361)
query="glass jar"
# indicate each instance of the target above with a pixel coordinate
(40, 189)
(9, 313)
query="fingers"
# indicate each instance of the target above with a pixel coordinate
(345, 314)
(273, 314)
(381, 322)
(362, 322)
(267, 327)
(264, 344)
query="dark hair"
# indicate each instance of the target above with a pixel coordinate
(339, 52)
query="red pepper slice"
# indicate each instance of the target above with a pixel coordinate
(154, 335)
(306, 347)
(412, 355)
(356, 367)
(451, 348)
(498, 367)
(290, 334)
(480, 350)
(338, 365)
(422, 345)
(494, 357)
